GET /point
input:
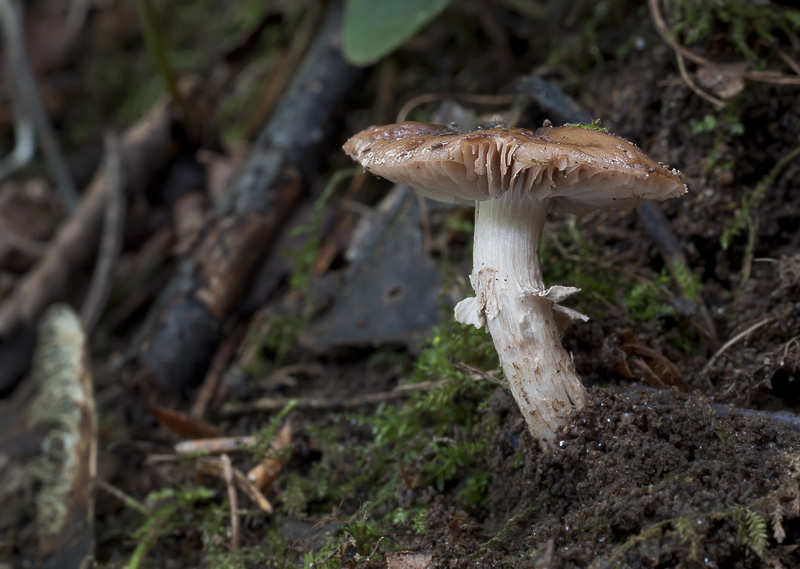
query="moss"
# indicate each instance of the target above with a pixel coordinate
(647, 301)
(168, 513)
(594, 125)
(744, 217)
(124, 79)
(689, 283)
(750, 521)
(746, 25)
(436, 440)
(726, 124)
(569, 259)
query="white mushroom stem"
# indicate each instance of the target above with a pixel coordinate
(519, 312)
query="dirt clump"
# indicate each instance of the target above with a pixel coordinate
(641, 478)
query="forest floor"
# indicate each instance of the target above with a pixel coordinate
(392, 438)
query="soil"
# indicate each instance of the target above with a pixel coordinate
(642, 477)
(639, 479)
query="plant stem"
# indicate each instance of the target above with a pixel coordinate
(158, 52)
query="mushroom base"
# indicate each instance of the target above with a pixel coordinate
(521, 315)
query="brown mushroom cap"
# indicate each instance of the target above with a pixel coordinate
(579, 169)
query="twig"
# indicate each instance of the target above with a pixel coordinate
(666, 35)
(111, 240)
(24, 140)
(738, 337)
(681, 52)
(29, 247)
(76, 17)
(145, 148)
(773, 77)
(375, 549)
(788, 60)
(692, 85)
(126, 499)
(462, 366)
(265, 472)
(285, 376)
(788, 346)
(272, 404)
(158, 52)
(215, 372)
(232, 499)
(31, 104)
(217, 445)
(780, 417)
(214, 467)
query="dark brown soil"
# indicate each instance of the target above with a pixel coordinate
(640, 479)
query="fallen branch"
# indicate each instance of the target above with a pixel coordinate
(128, 500)
(29, 103)
(111, 241)
(182, 331)
(144, 149)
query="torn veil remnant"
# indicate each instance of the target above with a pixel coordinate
(515, 176)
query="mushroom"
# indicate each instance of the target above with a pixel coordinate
(515, 176)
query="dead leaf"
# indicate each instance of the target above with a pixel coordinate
(185, 426)
(631, 360)
(268, 470)
(726, 80)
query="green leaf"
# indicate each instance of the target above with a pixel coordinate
(375, 28)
